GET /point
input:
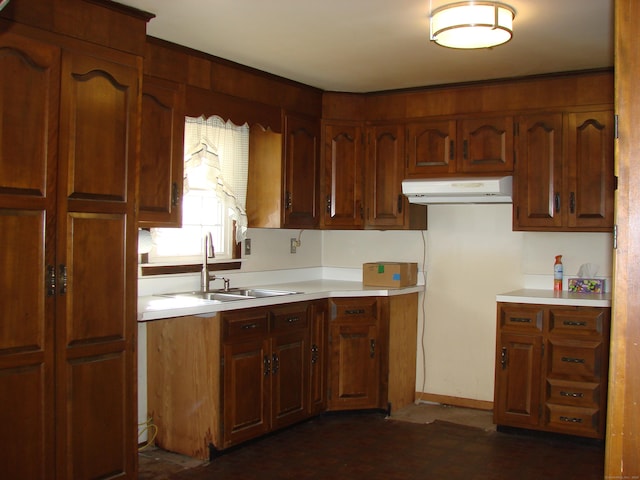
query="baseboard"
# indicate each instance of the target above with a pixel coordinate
(454, 401)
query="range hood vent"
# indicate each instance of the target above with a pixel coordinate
(458, 190)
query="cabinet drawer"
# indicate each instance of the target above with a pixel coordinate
(520, 318)
(289, 318)
(577, 394)
(353, 308)
(586, 322)
(238, 326)
(575, 360)
(573, 420)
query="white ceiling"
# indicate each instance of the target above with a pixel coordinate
(372, 45)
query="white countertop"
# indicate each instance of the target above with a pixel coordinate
(549, 297)
(154, 307)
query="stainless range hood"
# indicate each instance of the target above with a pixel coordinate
(458, 190)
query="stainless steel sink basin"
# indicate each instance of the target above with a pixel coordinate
(232, 294)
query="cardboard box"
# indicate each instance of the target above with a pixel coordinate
(389, 274)
(586, 285)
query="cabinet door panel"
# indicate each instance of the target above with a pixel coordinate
(431, 147)
(343, 176)
(318, 361)
(97, 391)
(99, 101)
(289, 378)
(518, 370)
(29, 86)
(487, 145)
(161, 153)
(302, 169)
(247, 368)
(590, 175)
(539, 172)
(384, 173)
(354, 365)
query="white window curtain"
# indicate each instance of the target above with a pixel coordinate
(221, 149)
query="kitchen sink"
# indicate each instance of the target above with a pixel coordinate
(232, 294)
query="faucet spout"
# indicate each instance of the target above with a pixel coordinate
(208, 251)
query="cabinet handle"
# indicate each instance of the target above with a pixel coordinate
(572, 202)
(572, 360)
(372, 348)
(267, 365)
(314, 354)
(399, 203)
(354, 311)
(572, 394)
(50, 281)
(287, 201)
(63, 279)
(503, 358)
(175, 195)
(249, 326)
(570, 419)
(570, 323)
(276, 364)
(465, 149)
(520, 320)
(329, 204)
(293, 319)
(556, 202)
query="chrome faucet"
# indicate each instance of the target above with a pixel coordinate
(207, 277)
(208, 252)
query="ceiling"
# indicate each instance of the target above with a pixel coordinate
(373, 45)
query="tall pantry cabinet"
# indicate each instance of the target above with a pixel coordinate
(68, 170)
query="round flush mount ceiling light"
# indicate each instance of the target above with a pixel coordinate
(472, 24)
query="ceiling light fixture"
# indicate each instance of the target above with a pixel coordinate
(472, 24)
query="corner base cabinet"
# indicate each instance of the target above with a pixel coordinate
(551, 368)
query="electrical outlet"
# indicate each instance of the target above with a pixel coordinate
(247, 246)
(294, 245)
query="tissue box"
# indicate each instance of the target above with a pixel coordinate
(586, 285)
(389, 274)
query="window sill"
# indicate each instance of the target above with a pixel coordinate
(148, 270)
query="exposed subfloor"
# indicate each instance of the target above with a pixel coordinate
(419, 442)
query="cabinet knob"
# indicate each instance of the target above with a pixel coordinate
(372, 348)
(503, 358)
(175, 195)
(267, 365)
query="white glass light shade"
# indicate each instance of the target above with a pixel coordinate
(472, 24)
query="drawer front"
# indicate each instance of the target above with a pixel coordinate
(585, 322)
(576, 394)
(289, 318)
(238, 326)
(574, 420)
(575, 360)
(353, 308)
(519, 318)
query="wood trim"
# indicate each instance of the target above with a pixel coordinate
(454, 401)
(151, 270)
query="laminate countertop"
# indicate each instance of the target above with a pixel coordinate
(549, 297)
(156, 307)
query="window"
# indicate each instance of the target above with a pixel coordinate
(215, 189)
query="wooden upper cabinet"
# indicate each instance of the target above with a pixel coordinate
(384, 172)
(302, 172)
(564, 173)
(539, 171)
(431, 147)
(442, 147)
(486, 144)
(161, 153)
(343, 175)
(590, 175)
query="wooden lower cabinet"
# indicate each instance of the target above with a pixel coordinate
(215, 382)
(551, 368)
(372, 351)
